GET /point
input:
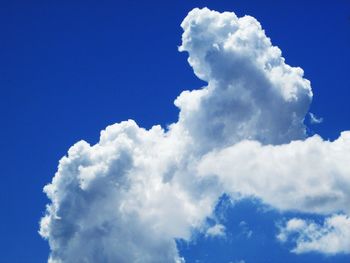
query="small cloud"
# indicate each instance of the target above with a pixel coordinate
(245, 229)
(314, 119)
(238, 261)
(217, 230)
(331, 237)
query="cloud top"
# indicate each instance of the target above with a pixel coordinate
(251, 94)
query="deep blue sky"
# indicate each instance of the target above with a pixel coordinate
(70, 68)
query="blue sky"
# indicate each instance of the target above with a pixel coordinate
(70, 69)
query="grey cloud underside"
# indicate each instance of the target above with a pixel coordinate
(127, 198)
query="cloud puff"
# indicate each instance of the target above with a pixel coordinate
(332, 237)
(218, 230)
(128, 197)
(113, 202)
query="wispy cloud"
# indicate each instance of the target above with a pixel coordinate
(314, 119)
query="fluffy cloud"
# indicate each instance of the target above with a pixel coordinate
(312, 175)
(115, 201)
(251, 92)
(218, 230)
(127, 198)
(330, 238)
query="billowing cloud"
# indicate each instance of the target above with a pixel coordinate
(332, 237)
(251, 93)
(128, 197)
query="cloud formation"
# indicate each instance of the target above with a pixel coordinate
(330, 238)
(251, 93)
(128, 197)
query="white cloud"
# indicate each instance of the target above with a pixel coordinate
(127, 198)
(312, 175)
(111, 202)
(332, 237)
(251, 92)
(218, 230)
(314, 119)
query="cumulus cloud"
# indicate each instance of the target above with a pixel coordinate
(312, 175)
(331, 237)
(131, 195)
(251, 92)
(115, 201)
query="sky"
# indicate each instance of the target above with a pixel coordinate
(201, 188)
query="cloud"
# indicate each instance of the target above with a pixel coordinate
(245, 229)
(111, 203)
(251, 92)
(128, 197)
(238, 261)
(314, 119)
(332, 237)
(309, 176)
(218, 230)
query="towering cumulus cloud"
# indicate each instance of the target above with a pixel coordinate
(131, 195)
